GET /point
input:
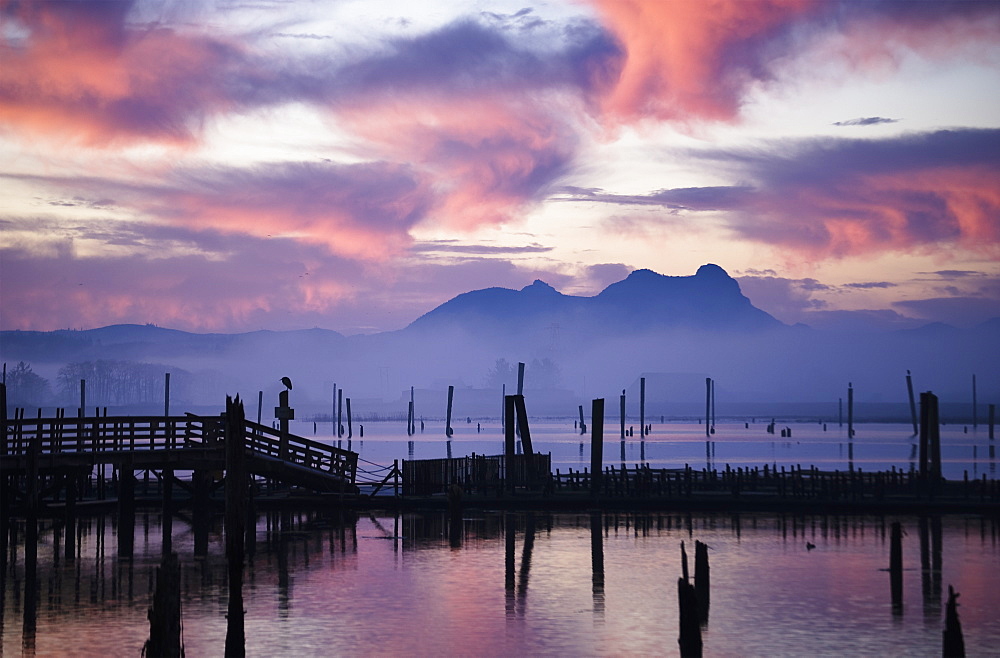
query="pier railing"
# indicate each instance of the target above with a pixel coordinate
(476, 473)
(103, 438)
(53, 436)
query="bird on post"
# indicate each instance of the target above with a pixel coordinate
(287, 382)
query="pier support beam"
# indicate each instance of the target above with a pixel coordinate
(596, 444)
(447, 423)
(236, 490)
(510, 438)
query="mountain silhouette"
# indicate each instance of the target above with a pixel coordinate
(709, 300)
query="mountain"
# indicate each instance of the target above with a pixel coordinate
(710, 300)
(663, 326)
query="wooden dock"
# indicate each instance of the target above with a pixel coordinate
(63, 454)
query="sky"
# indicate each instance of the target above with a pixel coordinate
(228, 166)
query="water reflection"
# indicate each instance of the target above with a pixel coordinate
(339, 579)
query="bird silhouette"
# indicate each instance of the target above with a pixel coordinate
(287, 382)
(810, 546)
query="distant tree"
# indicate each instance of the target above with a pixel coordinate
(25, 387)
(503, 372)
(120, 382)
(544, 374)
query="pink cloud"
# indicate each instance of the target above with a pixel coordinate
(81, 73)
(690, 60)
(488, 157)
(695, 61)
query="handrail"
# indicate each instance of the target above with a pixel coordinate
(114, 434)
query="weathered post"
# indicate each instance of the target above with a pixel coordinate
(520, 378)
(167, 480)
(702, 580)
(621, 412)
(283, 413)
(522, 423)
(340, 412)
(83, 398)
(934, 436)
(708, 406)
(350, 429)
(447, 426)
(166, 394)
(840, 412)
(924, 453)
(165, 613)
(411, 426)
(69, 549)
(642, 407)
(597, 561)
(896, 567)
(850, 410)
(583, 425)
(510, 438)
(992, 418)
(260, 405)
(596, 443)
(913, 406)
(689, 638)
(126, 512)
(713, 406)
(954, 643)
(236, 487)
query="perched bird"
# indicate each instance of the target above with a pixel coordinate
(810, 546)
(287, 382)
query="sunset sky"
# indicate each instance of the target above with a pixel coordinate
(216, 166)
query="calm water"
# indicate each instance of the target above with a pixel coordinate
(876, 446)
(520, 584)
(544, 584)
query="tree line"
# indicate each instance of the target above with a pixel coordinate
(109, 383)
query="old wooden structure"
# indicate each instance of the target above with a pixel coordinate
(42, 458)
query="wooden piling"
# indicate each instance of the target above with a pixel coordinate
(642, 407)
(913, 406)
(689, 639)
(350, 428)
(708, 406)
(126, 513)
(930, 437)
(850, 410)
(522, 424)
(583, 425)
(447, 426)
(596, 443)
(992, 418)
(165, 613)
(510, 438)
(340, 412)
(896, 567)
(953, 642)
(167, 480)
(924, 443)
(284, 414)
(236, 489)
(621, 412)
(713, 407)
(702, 580)
(597, 560)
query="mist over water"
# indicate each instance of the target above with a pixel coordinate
(675, 331)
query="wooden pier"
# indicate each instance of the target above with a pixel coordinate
(42, 457)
